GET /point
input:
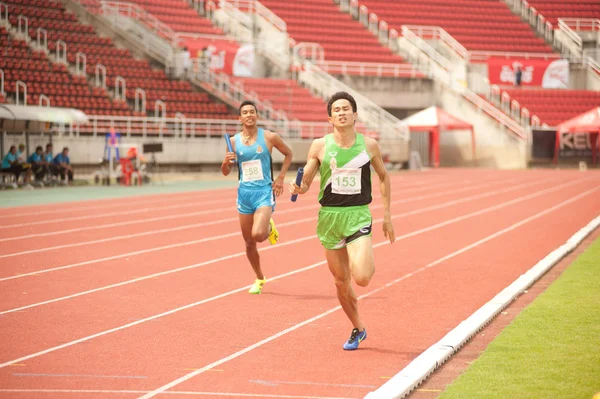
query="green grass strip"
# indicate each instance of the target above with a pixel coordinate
(551, 349)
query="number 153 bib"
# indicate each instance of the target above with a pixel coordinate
(345, 181)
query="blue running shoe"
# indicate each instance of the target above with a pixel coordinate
(355, 338)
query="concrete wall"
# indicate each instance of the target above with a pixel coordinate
(393, 93)
(197, 151)
(496, 147)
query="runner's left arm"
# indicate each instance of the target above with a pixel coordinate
(286, 151)
(384, 185)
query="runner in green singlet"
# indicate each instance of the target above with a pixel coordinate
(344, 159)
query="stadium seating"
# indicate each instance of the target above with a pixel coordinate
(555, 106)
(288, 96)
(177, 14)
(42, 77)
(342, 37)
(554, 9)
(479, 25)
(178, 96)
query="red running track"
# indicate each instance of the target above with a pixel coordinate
(163, 309)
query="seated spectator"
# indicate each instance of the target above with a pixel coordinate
(21, 156)
(11, 164)
(51, 168)
(63, 164)
(38, 164)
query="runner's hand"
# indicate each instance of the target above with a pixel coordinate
(293, 188)
(278, 186)
(388, 231)
(229, 156)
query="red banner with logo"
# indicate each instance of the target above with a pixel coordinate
(224, 55)
(535, 72)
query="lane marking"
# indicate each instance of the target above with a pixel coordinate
(185, 227)
(239, 254)
(81, 375)
(490, 237)
(188, 393)
(281, 276)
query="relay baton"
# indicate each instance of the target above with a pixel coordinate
(228, 141)
(298, 182)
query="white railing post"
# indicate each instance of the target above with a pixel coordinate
(549, 32)
(505, 102)
(80, 64)
(23, 26)
(42, 39)
(140, 100)
(120, 88)
(344, 5)
(515, 110)
(2, 83)
(43, 98)
(354, 9)
(159, 105)
(384, 35)
(180, 124)
(3, 13)
(211, 6)
(199, 6)
(373, 24)
(525, 119)
(100, 76)
(61, 56)
(363, 15)
(23, 85)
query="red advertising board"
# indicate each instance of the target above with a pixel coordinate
(535, 72)
(225, 55)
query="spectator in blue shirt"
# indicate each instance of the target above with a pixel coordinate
(11, 164)
(38, 164)
(63, 163)
(48, 157)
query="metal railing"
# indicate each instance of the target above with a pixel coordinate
(182, 127)
(481, 56)
(569, 35)
(591, 59)
(250, 21)
(233, 93)
(374, 117)
(140, 15)
(437, 33)
(441, 69)
(256, 7)
(533, 17)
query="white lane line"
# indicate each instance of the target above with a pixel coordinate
(183, 227)
(239, 254)
(223, 295)
(372, 292)
(193, 242)
(187, 393)
(144, 199)
(198, 204)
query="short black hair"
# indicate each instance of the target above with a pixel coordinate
(38, 148)
(244, 103)
(66, 148)
(341, 95)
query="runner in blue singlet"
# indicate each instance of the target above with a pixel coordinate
(252, 148)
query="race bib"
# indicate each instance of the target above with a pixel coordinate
(345, 181)
(252, 170)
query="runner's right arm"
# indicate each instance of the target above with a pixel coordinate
(310, 169)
